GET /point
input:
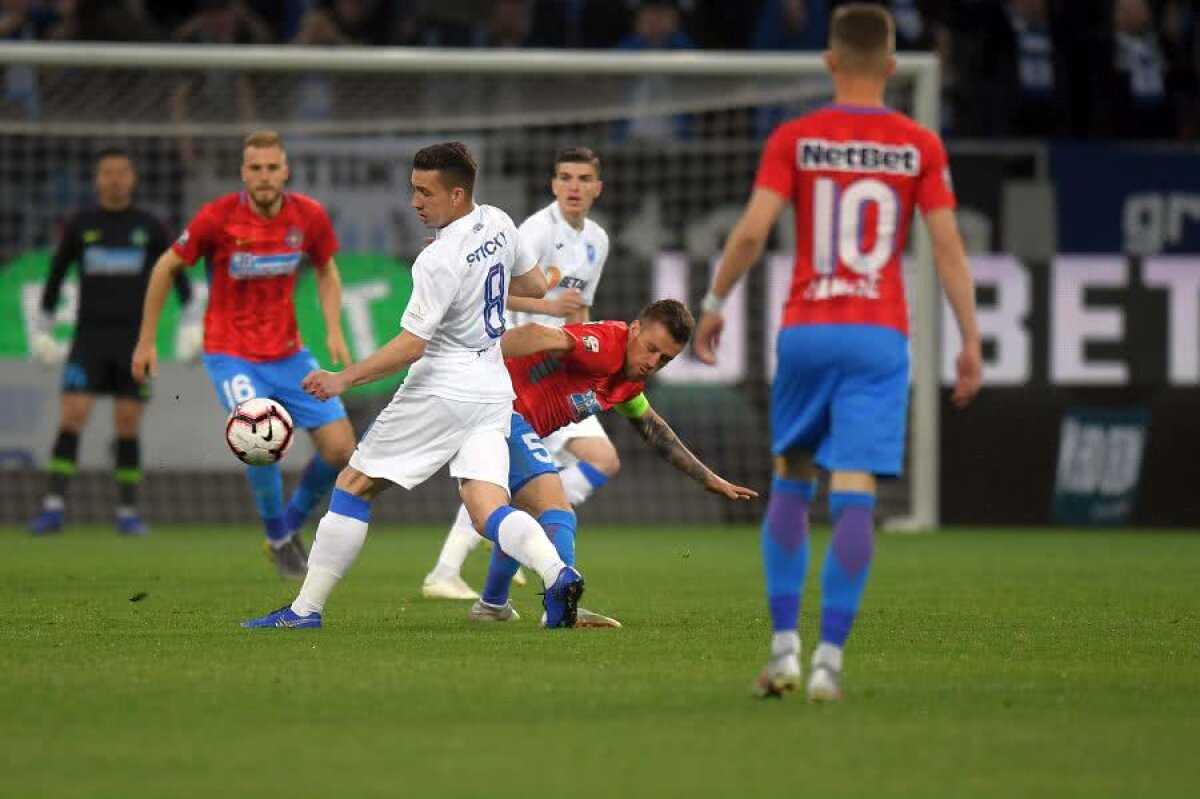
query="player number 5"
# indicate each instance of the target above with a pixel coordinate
(536, 448)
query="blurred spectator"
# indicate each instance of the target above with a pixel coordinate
(792, 25)
(104, 21)
(506, 26)
(1133, 77)
(1181, 41)
(578, 23)
(1032, 104)
(217, 93)
(24, 20)
(656, 27)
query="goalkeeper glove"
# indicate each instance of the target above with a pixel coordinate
(189, 341)
(46, 351)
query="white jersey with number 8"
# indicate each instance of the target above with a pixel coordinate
(460, 282)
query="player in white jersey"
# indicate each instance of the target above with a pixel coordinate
(572, 249)
(456, 405)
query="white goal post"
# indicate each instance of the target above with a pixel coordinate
(717, 80)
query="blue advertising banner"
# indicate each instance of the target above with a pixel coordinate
(1134, 199)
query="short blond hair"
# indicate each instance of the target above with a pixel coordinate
(263, 139)
(864, 37)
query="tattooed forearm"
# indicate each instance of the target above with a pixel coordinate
(662, 439)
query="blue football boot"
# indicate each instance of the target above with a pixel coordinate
(48, 522)
(561, 599)
(132, 526)
(285, 617)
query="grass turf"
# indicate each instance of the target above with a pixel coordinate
(985, 664)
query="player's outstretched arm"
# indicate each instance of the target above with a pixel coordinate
(534, 338)
(662, 439)
(401, 352)
(145, 354)
(954, 273)
(742, 250)
(329, 293)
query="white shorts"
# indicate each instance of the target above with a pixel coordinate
(556, 442)
(415, 435)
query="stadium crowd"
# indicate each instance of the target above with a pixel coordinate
(1059, 68)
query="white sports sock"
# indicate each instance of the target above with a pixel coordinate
(522, 538)
(338, 542)
(577, 486)
(785, 643)
(829, 655)
(53, 502)
(461, 539)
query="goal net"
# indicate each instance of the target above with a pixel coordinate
(679, 137)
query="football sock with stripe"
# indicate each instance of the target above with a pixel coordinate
(847, 563)
(785, 550)
(339, 540)
(315, 481)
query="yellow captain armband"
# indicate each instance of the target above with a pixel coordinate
(633, 408)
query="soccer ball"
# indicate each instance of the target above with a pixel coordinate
(259, 431)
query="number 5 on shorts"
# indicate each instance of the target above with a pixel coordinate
(536, 448)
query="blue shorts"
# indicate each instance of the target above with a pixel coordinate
(841, 393)
(237, 380)
(527, 455)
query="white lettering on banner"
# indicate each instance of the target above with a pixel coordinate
(1180, 276)
(671, 280)
(1095, 458)
(1004, 323)
(356, 302)
(1073, 323)
(1151, 221)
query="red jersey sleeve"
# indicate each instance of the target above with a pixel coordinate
(200, 236)
(599, 348)
(322, 241)
(933, 185)
(777, 168)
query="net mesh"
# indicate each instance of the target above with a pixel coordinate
(679, 154)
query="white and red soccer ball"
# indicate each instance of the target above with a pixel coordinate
(259, 431)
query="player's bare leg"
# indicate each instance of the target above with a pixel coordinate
(518, 536)
(597, 462)
(785, 558)
(74, 409)
(127, 421)
(851, 508)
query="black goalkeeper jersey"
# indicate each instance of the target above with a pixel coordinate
(115, 252)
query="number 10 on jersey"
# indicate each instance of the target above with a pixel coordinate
(839, 222)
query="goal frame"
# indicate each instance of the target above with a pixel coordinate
(920, 68)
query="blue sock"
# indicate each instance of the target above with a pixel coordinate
(267, 484)
(316, 479)
(847, 563)
(593, 475)
(785, 549)
(560, 528)
(501, 568)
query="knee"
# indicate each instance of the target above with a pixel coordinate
(607, 463)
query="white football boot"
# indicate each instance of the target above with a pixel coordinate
(782, 674)
(825, 682)
(483, 611)
(454, 587)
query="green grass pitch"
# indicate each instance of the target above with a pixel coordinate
(985, 664)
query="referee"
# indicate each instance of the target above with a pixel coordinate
(114, 245)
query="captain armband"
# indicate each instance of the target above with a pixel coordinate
(634, 408)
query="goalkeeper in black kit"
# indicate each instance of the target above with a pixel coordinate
(114, 245)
